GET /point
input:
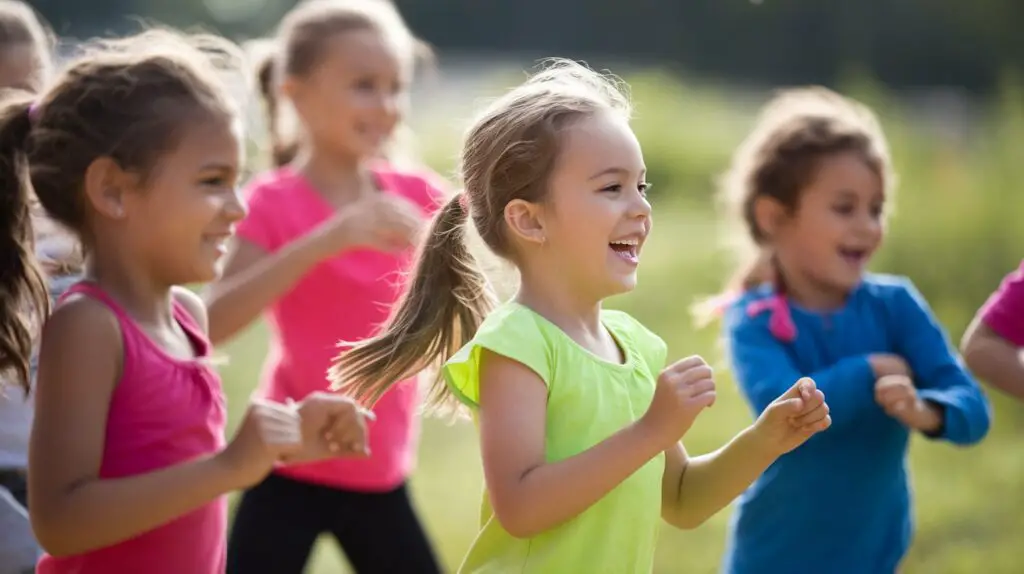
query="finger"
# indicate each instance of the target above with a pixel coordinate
(705, 399)
(694, 375)
(817, 426)
(789, 407)
(687, 363)
(812, 416)
(697, 387)
(803, 386)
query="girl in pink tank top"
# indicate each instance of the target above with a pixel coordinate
(134, 149)
(321, 255)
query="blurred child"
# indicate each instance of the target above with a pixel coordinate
(322, 253)
(579, 418)
(993, 342)
(135, 149)
(811, 185)
(25, 61)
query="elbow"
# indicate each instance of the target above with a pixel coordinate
(515, 517)
(51, 537)
(685, 521)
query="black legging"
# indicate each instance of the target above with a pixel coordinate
(279, 520)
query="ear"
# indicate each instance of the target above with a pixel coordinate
(291, 88)
(106, 185)
(769, 215)
(526, 221)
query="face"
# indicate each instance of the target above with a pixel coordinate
(354, 98)
(597, 217)
(183, 218)
(826, 245)
(21, 67)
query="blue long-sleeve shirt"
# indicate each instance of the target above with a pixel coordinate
(841, 502)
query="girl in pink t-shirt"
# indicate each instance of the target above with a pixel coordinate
(134, 149)
(994, 341)
(322, 254)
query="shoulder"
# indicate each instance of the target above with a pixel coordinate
(897, 290)
(632, 332)
(422, 186)
(270, 187)
(81, 320)
(194, 305)
(515, 333)
(742, 313)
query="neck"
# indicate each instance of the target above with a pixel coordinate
(811, 294)
(335, 176)
(579, 317)
(143, 296)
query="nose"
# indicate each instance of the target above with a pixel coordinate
(640, 207)
(390, 103)
(235, 208)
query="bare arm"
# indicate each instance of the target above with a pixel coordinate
(695, 489)
(73, 510)
(252, 280)
(994, 359)
(528, 494)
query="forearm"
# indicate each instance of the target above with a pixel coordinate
(237, 300)
(103, 512)
(709, 482)
(848, 386)
(998, 363)
(553, 493)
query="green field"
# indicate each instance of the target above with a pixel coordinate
(955, 233)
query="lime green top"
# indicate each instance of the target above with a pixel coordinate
(589, 399)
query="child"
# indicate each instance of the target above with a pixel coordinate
(25, 56)
(579, 431)
(993, 341)
(134, 149)
(321, 253)
(810, 185)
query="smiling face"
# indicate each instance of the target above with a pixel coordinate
(353, 99)
(182, 219)
(825, 246)
(596, 217)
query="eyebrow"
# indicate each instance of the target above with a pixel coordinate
(217, 167)
(616, 171)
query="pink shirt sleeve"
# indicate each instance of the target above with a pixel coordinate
(259, 227)
(1004, 310)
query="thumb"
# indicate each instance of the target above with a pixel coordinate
(790, 407)
(802, 388)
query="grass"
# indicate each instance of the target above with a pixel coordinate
(961, 221)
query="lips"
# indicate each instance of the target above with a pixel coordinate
(626, 249)
(854, 256)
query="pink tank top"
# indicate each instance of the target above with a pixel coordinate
(163, 411)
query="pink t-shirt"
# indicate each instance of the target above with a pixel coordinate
(345, 298)
(164, 411)
(1004, 310)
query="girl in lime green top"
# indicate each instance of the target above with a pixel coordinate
(580, 421)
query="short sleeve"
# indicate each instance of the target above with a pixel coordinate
(259, 227)
(1004, 310)
(510, 331)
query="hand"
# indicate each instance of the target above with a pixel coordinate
(885, 364)
(683, 390)
(268, 432)
(381, 221)
(800, 413)
(898, 397)
(332, 425)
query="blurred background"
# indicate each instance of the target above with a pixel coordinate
(944, 75)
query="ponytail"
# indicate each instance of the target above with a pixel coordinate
(281, 152)
(442, 308)
(751, 274)
(24, 299)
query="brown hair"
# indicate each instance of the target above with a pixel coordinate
(302, 41)
(122, 99)
(795, 131)
(21, 26)
(508, 153)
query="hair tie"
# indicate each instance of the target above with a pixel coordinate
(464, 202)
(780, 320)
(33, 111)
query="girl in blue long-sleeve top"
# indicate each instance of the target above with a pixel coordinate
(810, 186)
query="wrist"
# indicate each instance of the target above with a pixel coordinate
(757, 446)
(648, 440)
(224, 472)
(930, 417)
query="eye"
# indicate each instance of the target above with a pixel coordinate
(645, 187)
(365, 85)
(877, 210)
(613, 188)
(843, 208)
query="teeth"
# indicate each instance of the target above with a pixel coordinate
(626, 242)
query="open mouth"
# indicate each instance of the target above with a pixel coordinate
(856, 257)
(626, 249)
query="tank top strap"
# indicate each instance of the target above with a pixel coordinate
(195, 333)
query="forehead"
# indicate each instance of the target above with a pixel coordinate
(361, 52)
(846, 175)
(597, 143)
(20, 66)
(210, 141)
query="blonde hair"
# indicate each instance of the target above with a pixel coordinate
(508, 153)
(300, 46)
(795, 131)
